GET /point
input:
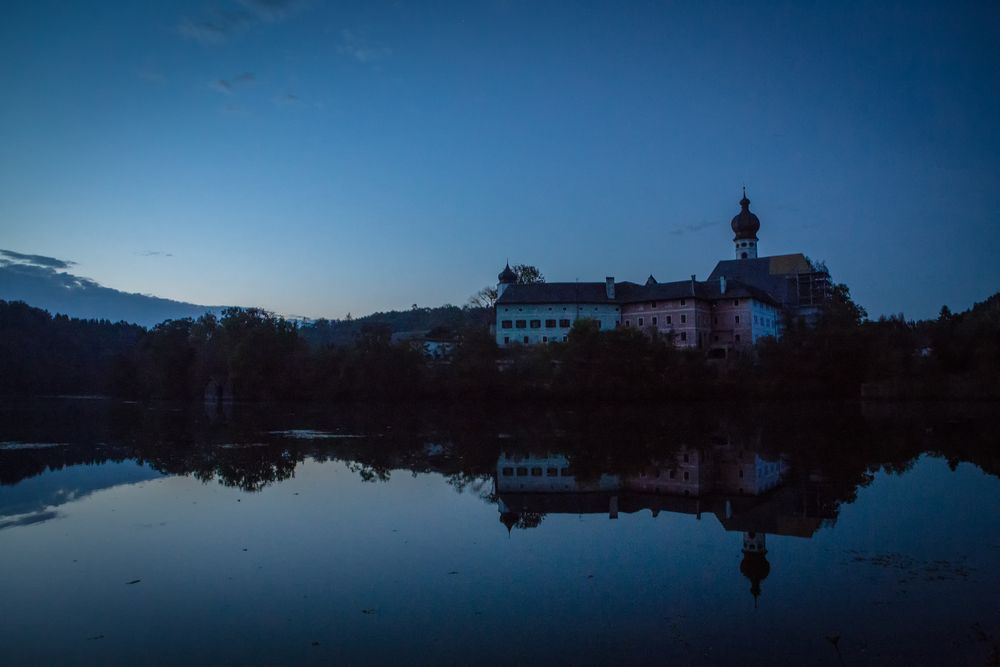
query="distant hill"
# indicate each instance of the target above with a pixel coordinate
(44, 282)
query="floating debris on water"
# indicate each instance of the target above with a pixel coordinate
(310, 434)
(134, 581)
(10, 446)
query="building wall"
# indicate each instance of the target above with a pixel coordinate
(691, 473)
(689, 319)
(546, 473)
(560, 315)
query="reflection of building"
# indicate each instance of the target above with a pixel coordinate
(741, 302)
(741, 487)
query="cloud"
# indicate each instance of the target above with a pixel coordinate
(30, 519)
(216, 26)
(155, 253)
(362, 49)
(38, 280)
(227, 86)
(680, 230)
(288, 100)
(9, 257)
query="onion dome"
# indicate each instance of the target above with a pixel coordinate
(745, 224)
(509, 519)
(507, 276)
(755, 568)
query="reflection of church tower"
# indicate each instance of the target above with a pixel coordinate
(754, 565)
(745, 227)
(509, 519)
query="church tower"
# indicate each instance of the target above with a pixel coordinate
(506, 277)
(754, 565)
(745, 227)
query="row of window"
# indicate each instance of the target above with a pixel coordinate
(537, 472)
(527, 339)
(534, 324)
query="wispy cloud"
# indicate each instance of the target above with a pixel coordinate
(227, 86)
(680, 230)
(217, 25)
(155, 253)
(362, 49)
(9, 257)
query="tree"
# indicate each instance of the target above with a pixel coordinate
(527, 274)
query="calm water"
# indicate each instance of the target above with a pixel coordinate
(822, 534)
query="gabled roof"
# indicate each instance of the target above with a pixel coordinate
(770, 274)
(628, 292)
(595, 293)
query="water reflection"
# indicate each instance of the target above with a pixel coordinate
(655, 523)
(741, 487)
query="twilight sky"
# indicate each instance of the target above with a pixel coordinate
(322, 158)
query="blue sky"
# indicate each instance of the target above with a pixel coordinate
(323, 158)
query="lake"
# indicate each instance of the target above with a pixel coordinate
(431, 534)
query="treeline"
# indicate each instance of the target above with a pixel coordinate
(255, 355)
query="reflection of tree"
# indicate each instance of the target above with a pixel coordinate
(369, 473)
(529, 520)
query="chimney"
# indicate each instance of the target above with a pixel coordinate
(609, 287)
(722, 284)
(692, 284)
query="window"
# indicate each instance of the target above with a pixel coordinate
(545, 339)
(520, 324)
(654, 321)
(687, 459)
(536, 324)
(687, 476)
(526, 341)
(550, 324)
(715, 338)
(551, 472)
(737, 338)
(755, 319)
(737, 319)
(736, 302)
(598, 324)
(536, 472)
(684, 319)
(640, 321)
(668, 319)
(652, 304)
(684, 335)
(628, 323)
(741, 474)
(673, 474)
(682, 302)
(506, 340)
(521, 472)
(565, 338)
(564, 324)
(506, 324)
(508, 472)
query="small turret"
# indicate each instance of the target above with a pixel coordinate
(505, 278)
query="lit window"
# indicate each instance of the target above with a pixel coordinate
(520, 324)
(536, 472)
(536, 324)
(550, 324)
(551, 472)
(506, 324)
(564, 324)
